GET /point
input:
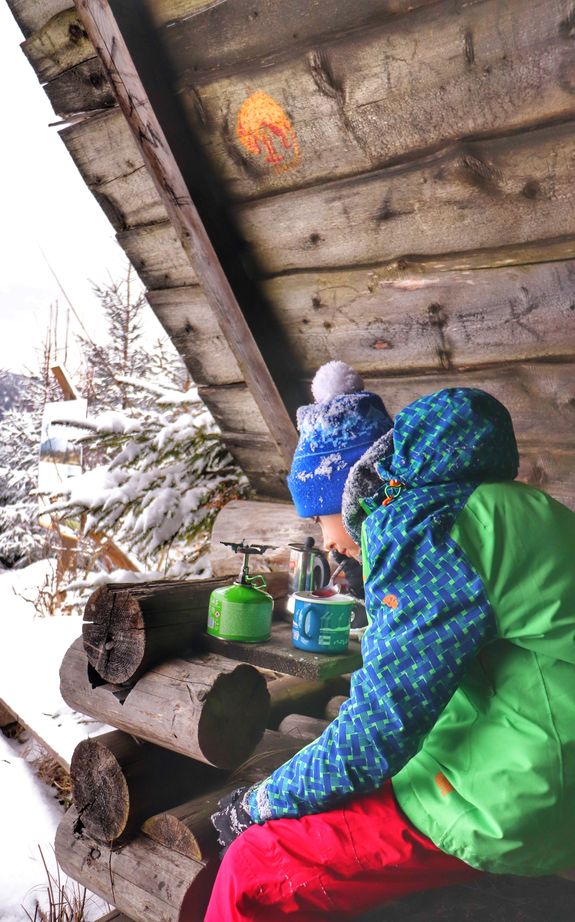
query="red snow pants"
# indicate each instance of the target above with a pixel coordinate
(329, 866)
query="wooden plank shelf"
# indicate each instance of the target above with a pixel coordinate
(278, 655)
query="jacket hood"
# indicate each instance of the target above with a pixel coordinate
(454, 435)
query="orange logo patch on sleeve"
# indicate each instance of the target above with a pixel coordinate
(390, 600)
(445, 786)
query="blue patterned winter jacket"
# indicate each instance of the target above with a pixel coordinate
(429, 613)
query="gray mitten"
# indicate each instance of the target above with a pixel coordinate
(232, 818)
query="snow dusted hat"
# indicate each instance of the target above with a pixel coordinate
(335, 431)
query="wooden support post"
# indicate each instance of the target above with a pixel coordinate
(64, 379)
(206, 707)
(129, 49)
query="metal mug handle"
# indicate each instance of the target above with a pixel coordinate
(314, 619)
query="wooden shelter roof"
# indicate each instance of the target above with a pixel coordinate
(388, 182)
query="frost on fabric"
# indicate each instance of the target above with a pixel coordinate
(335, 378)
(304, 475)
(338, 419)
(329, 464)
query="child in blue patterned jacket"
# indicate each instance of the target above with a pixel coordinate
(455, 752)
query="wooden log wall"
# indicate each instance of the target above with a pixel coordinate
(402, 172)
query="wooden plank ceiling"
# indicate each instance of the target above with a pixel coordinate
(396, 175)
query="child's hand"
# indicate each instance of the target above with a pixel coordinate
(232, 818)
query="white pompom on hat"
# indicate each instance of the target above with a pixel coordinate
(335, 378)
(334, 432)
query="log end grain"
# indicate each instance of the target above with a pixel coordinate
(113, 634)
(302, 727)
(168, 830)
(100, 790)
(234, 716)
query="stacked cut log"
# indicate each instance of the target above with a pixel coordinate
(190, 727)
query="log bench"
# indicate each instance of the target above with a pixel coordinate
(156, 858)
(193, 710)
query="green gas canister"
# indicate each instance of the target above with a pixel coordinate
(242, 611)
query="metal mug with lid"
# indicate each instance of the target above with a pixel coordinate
(308, 567)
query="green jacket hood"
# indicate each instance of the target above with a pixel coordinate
(456, 434)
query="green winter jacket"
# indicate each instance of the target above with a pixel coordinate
(466, 695)
(494, 780)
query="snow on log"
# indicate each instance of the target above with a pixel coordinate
(205, 706)
(119, 781)
(187, 828)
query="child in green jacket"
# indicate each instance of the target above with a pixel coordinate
(461, 722)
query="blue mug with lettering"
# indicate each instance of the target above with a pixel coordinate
(321, 622)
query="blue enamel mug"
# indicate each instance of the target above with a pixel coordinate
(321, 624)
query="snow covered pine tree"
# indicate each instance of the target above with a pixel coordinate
(169, 475)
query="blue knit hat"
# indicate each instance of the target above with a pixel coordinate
(335, 431)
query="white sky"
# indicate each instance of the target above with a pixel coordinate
(46, 206)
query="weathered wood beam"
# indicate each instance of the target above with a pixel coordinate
(128, 629)
(398, 90)
(539, 396)
(491, 203)
(110, 162)
(274, 524)
(6, 715)
(205, 707)
(538, 391)
(508, 191)
(391, 321)
(290, 695)
(159, 259)
(333, 706)
(84, 88)
(552, 471)
(174, 161)
(58, 45)
(162, 265)
(31, 15)
(263, 30)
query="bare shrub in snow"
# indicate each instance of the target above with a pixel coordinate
(66, 899)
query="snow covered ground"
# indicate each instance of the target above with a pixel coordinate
(31, 650)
